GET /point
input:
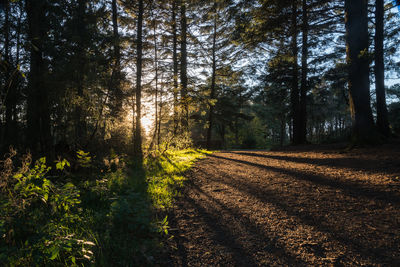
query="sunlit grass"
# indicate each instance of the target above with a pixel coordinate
(165, 174)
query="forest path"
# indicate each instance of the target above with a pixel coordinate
(306, 207)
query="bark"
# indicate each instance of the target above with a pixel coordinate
(294, 93)
(8, 89)
(137, 143)
(156, 137)
(12, 77)
(80, 122)
(38, 114)
(282, 130)
(175, 66)
(116, 72)
(356, 21)
(381, 108)
(304, 74)
(19, 25)
(159, 119)
(184, 89)
(213, 77)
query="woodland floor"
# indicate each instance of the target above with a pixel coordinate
(311, 205)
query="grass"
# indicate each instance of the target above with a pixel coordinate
(165, 174)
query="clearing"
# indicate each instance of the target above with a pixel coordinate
(311, 205)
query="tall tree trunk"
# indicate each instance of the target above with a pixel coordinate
(116, 71)
(8, 131)
(175, 66)
(282, 130)
(213, 76)
(159, 118)
(80, 121)
(381, 109)
(236, 131)
(38, 114)
(294, 93)
(155, 139)
(137, 143)
(184, 97)
(19, 26)
(356, 20)
(304, 74)
(12, 76)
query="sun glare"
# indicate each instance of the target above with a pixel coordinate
(147, 124)
(147, 121)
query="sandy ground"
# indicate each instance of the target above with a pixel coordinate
(304, 206)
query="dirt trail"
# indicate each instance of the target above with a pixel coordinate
(307, 207)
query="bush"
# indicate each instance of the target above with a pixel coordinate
(40, 219)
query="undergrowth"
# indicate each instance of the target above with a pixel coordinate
(94, 212)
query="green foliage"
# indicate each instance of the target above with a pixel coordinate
(60, 165)
(180, 141)
(107, 219)
(84, 159)
(41, 220)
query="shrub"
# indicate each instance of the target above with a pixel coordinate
(40, 219)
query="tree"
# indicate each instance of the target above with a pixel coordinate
(212, 89)
(304, 75)
(382, 121)
(175, 66)
(137, 142)
(356, 21)
(213, 77)
(38, 114)
(294, 93)
(116, 75)
(158, 103)
(183, 73)
(10, 76)
(80, 54)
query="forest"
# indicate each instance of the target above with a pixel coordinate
(106, 105)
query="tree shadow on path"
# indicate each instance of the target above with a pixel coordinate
(222, 231)
(357, 164)
(313, 217)
(349, 188)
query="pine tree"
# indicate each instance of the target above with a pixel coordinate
(116, 75)
(38, 114)
(356, 19)
(175, 63)
(183, 71)
(137, 142)
(382, 121)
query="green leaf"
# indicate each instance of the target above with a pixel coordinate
(54, 253)
(18, 176)
(59, 165)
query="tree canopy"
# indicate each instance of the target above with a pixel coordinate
(131, 76)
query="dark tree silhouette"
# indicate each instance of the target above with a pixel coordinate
(184, 79)
(38, 114)
(137, 143)
(382, 121)
(356, 20)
